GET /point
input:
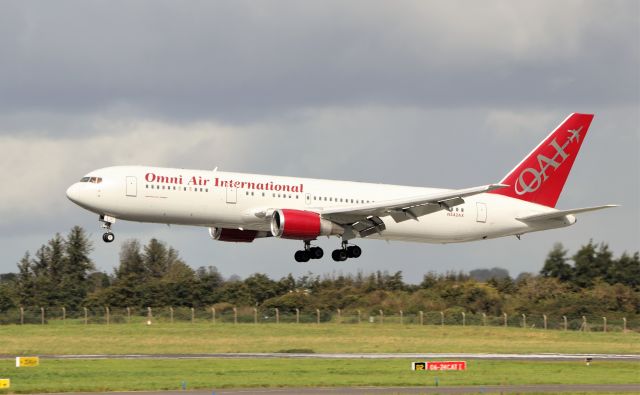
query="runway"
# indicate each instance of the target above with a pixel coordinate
(416, 356)
(481, 389)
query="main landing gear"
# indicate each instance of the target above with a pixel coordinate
(107, 221)
(339, 255)
(345, 252)
(308, 253)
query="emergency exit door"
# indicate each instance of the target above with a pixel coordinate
(132, 186)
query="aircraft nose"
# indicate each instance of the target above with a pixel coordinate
(73, 193)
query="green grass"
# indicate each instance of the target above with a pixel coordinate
(111, 375)
(187, 338)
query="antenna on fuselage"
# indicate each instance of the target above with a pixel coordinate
(216, 168)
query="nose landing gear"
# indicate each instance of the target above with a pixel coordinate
(107, 221)
(308, 253)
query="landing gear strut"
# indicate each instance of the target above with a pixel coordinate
(107, 221)
(308, 253)
(345, 252)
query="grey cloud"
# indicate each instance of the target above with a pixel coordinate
(245, 60)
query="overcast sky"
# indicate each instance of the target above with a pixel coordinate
(425, 93)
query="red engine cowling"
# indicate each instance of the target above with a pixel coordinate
(233, 235)
(301, 225)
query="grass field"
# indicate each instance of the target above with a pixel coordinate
(102, 375)
(109, 375)
(325, 338)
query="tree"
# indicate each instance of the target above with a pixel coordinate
(74, 283)
(591, 264)
(625, 270)
(485, 275)
(556, 264)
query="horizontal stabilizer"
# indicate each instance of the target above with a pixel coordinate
(562, 213)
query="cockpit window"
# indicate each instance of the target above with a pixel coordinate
(94, 180)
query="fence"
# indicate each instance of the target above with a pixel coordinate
(244, 315)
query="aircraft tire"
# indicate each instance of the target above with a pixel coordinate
(316, 252)
(354, 251)
(302, 256)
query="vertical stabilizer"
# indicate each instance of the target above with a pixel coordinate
(540, 177)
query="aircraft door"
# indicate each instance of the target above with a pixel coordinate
(232, 195)
(482, 212)
(132, 186)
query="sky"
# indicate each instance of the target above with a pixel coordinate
(445, 94)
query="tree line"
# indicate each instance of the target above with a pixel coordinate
(61, 273)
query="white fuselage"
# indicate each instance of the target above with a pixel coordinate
(240, 201)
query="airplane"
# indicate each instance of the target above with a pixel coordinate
(240, 207)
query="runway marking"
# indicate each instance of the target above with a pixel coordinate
(515, 357)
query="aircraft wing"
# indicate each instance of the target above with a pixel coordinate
(562, 213)
(365, 219)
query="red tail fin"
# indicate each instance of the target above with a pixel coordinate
(540, 177)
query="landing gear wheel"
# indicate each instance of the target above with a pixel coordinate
(316, 252)
(339, 255)
(354, 251)
(302, 256)
(108, 237)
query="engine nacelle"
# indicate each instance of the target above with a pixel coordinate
(233, 235)
(301, 225)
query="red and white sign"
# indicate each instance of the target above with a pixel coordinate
(447, 365)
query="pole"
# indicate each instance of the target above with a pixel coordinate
(401, 317)
(381, 316)
(193, 315)
(64, 314)
(505, 319)
(255, 315)
(86, 316)
(106, 310)
(21, 315)
(544, 317)
(624, 324)
(318, 316)
(464, 319)
(605, 324)
(524, 320)
(442, 318)
(42, 315)
(297, 316)
(171, 314)
(277, 316)
(484, 319)
(421, 317)
(235, 315)
(128, 315)
(213, 314)
(564, 321)
(339, 316)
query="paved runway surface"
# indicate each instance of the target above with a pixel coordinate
(486, 389)
(520, 357)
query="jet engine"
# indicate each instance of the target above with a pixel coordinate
(301, 225)
(234, 235)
